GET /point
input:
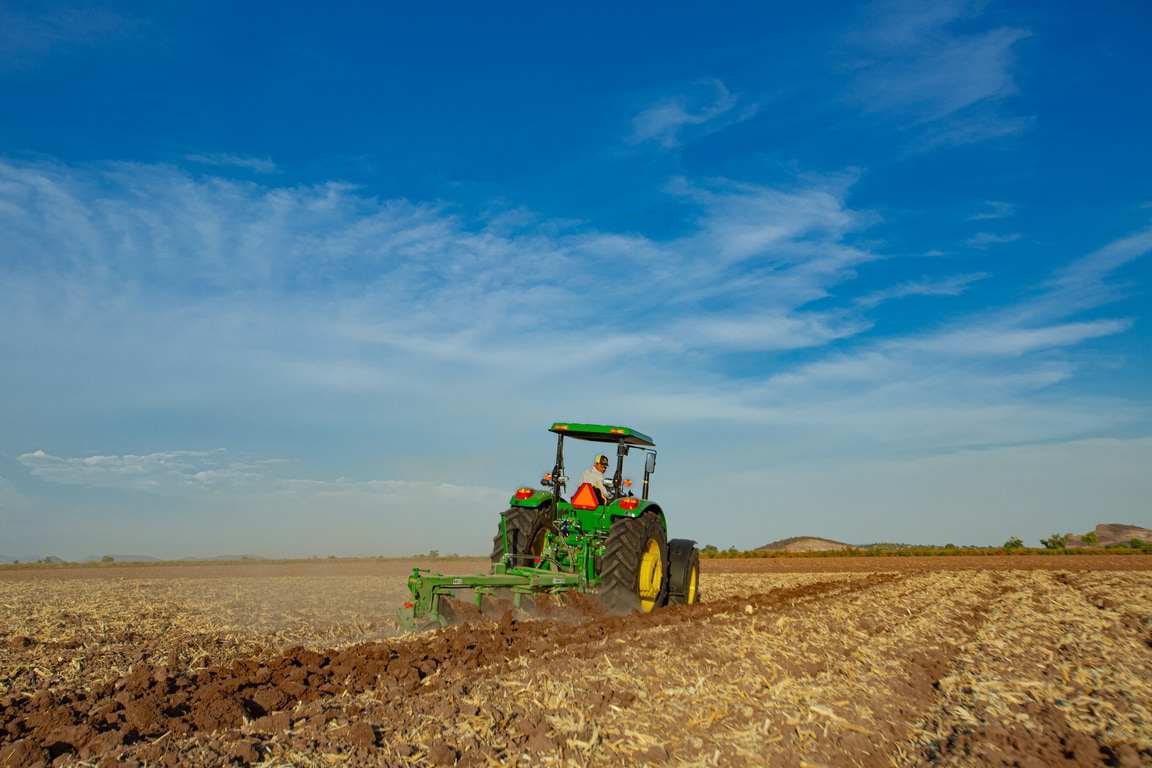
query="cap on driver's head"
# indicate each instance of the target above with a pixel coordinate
(602, 460)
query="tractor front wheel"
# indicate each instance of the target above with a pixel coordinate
(525, 531)
(635, 565)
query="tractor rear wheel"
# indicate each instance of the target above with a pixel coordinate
(684, 573)
(634, 572)
(527, 530)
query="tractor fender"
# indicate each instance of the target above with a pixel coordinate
(615, 510)
(537, 499)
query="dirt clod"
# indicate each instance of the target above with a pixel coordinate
(442, 754)
(361, 735)
(245, 751)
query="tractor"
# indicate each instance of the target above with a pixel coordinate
(604, 541)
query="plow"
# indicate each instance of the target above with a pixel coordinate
(602, 540)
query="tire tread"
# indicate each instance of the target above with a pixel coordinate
(619, 585)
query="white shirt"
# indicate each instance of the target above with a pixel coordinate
(594, 476)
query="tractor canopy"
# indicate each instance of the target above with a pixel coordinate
(599, 433)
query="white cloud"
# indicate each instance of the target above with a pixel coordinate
(166, 472)
(943, 76)
(183, 473)
(807, 225)
(1086, 283)
(207, 285)
(320, 290)
(980, 125)
(946, 286)
(768, 331)
(28, 38)
(994, 209)
(971, 382)
(997, 340)
(225, 160)
(983, 239)
(707, 103)
(327, 268)
(1035, 324)
(209, 502)
(1088, 272)
(917, 66)
(257, 316)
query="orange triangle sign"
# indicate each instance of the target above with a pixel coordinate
(585, 497)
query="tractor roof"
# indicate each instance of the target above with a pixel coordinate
(599, 433)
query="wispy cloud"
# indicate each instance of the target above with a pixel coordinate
(225, 160)
(154, 472)
(994, 340)
(953, 285)
(983, 124)
(768, 331)
(183, 473)
(29, 37)
(314, 305)
(984, 239)
(233, 309)
(1091, 270)
(971, 382)
(809, 223)
(1087, 282)
(708, 105)
(418, 279)
(994, 209)
(918, 65)
(212, 501)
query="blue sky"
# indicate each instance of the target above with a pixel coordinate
(300, 281)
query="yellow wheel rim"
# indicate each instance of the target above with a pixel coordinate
(651, 575)
(539, 542)
(693, 577)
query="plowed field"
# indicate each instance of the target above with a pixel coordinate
(1030, 661)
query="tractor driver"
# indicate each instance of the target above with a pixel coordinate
(594, 476)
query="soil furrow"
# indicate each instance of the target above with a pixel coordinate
(906, 666)
(1040, 683)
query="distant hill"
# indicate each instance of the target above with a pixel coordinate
(802, 544)
(5, 559)
(151, 559)
(1108, 534)
(124, 559)
(227, 557)
(1115, 533)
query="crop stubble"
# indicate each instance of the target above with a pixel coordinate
(796, 662)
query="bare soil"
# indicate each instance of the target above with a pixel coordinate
(1013, 661)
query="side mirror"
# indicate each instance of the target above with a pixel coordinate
(650, 463)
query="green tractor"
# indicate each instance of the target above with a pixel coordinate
(603, 539)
